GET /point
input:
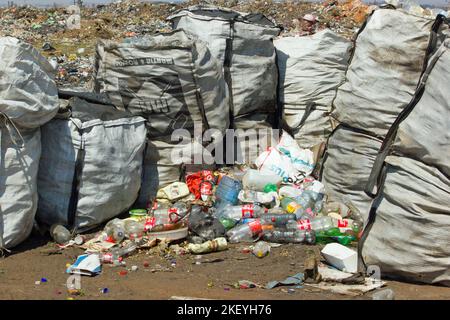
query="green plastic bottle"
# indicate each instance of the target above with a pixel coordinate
(227, 223)
(270, 187)
(334, 235)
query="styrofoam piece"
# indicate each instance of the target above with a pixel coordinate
(341, 257)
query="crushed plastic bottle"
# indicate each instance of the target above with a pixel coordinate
(60, 234)
(261, 249)
(115, 230)
(296, 236)
(278, 220)
(245, 232)
(386, 294)
(134, 230)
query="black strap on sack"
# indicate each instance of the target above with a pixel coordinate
(378, 174)
(432, 43)
(73, 202)
(375, 177)
(227, 71)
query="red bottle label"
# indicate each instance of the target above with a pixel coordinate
(304, 224)
(208, 175)
(255, 226)
(342, 223)
(149, 223)
(206, 188)
(247, 211)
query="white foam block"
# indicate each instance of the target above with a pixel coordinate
(341, 257)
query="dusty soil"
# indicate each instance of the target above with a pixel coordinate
(214, 280)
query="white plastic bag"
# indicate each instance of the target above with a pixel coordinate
(287, 160)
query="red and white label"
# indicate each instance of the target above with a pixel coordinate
(304, 224)
(255, 226)
(208, 175)
(149, 223)
(108, 258)
(206, 188)
(247, 211)
(342, 223)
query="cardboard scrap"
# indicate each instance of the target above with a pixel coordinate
(331, 278)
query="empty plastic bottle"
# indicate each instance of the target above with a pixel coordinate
(245, 232)
(317, 224)
(115, 229)
(173, 214)
(300, 206)
(277, 220)
(178, 212)
(261, 249)
(291, 206)
(60, 234)
(295, 236)
(227, 222)
(227, 191)
(133, 229)
(355, 214)
(334, 235)
(243, 211)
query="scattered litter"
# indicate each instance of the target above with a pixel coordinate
(87, 265)
(296, 279)
(386, 294)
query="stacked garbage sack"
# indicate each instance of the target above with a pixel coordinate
(177, 86)
(28, 99)
(139, 146)
(243, 45)
(390, 53)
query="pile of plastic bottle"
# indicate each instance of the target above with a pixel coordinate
(235, 205)
(261, 206)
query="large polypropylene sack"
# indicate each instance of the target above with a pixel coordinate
(389, 56)
(423, 135)
(410, 235)
(28, 93)
(163, 165)
(19, 162)
(169, 79)
(347, 165)
(252, 136)
(243, 42)
(91, 165)
(409, 227)
(310, 70)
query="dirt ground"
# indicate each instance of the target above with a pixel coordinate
(212, 279)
